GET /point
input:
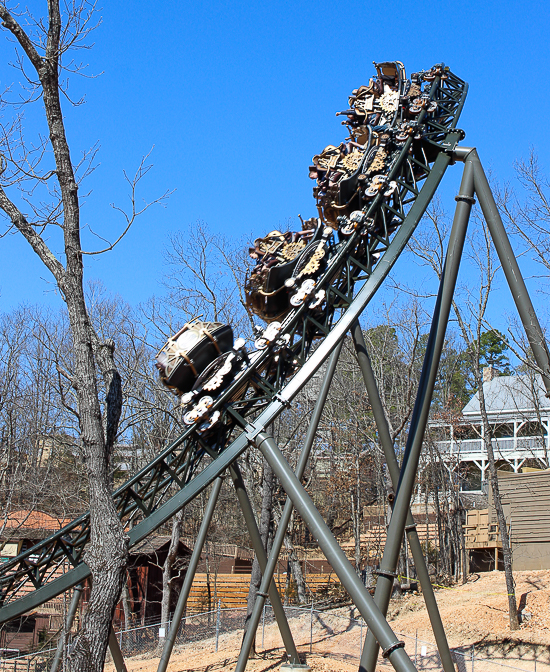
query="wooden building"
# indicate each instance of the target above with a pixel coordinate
(526, 501)
(22, 529)
(145, 565)
(482, 541)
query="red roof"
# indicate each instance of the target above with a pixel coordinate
(34, 520)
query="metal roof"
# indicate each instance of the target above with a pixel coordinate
(510, 395)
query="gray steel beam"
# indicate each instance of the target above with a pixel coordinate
(116, 653)
(410, 528)
(261, 555)
(287, 512)
(393, 648)
(510, 267)
(189, 576)
(419, 419)
(77, 593)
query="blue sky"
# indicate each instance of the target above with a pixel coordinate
(235, 98)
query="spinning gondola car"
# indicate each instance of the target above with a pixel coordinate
(188, 353)
(381, 118)
(344, 173)
(282, 259)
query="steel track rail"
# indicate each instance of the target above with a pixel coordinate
(144, 494)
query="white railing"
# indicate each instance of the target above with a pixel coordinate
(505, 448)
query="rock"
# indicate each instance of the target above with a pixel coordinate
(525, 616)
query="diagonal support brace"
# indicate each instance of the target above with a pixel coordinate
(420, 414)
(287, 512)
(334, 554)
(393, 468)
(189, 576)
(256, 539)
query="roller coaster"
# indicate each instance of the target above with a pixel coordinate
(310, 288)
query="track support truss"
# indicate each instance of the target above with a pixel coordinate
(355, 255)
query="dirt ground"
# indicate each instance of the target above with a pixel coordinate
(475, 618)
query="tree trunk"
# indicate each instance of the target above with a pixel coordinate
(503, 530)
(126, 605)
(463, 552)
(293, 561)
(441, 559)
(356, 515)
(167, 577)
(107, 551)
(106, 554)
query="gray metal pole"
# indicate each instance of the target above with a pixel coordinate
(261, 555)
(287, 512)
(189, 576)
(116, 653)
(393, 468)
(394, 537)
(392, 647)
(510, 267)
(77, 593)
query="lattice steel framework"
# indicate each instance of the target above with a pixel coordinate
(356, 267)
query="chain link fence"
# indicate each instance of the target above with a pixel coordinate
(39, 661)
(337, 634)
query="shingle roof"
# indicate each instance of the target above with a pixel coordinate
(506, 395)
(151, 545)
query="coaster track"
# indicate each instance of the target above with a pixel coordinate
(357, 262)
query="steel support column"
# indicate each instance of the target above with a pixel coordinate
(393, 468)
(77, 594)
(393, 648)
(287, 512)
(189, 576)
(116, 653)
(261, 555)
(509, 265)
(419, 419)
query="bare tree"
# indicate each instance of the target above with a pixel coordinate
(31, 424)
(206, 276)
(528, 212)
(170, 571)
(39, 196)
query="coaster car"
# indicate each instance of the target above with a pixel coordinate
(345, 173)
(280, 258)
(188, 353)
